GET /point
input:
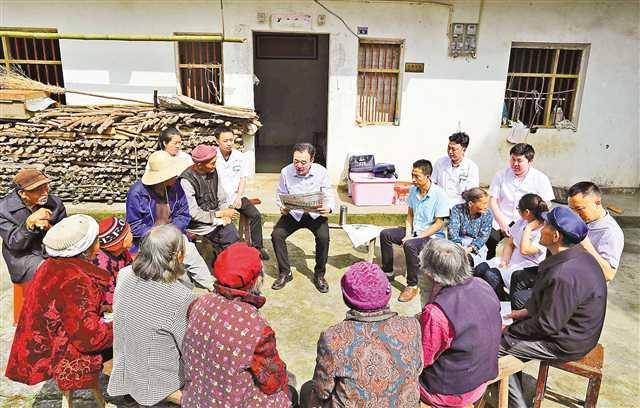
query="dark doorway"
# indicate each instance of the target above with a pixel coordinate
(291, 90)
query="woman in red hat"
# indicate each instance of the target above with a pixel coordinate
(115, 240)
(230, 354)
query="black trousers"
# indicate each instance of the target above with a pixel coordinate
(525, 350)
(522, 282)
(494, 239)
(224, 235)
(493, 277)
(255, 221)
(411, 248)
(286, 226)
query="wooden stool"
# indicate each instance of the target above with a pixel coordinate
(507, 366)
(66, 398)
(589, 366)
(18, 299)
(243, 227)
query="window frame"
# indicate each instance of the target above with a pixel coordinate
(579, 77)
(7, 60)
(179, 66)
(399, 72)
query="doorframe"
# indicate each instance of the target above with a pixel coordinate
(252, 50)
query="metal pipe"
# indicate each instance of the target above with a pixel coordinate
(119, 37)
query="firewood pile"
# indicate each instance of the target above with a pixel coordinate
(95, 153)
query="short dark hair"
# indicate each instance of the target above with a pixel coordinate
(523, 149)
(221, 129)
(533, 203)
(165, 136)
(305, 147)
(585, 188)
(460, 138)
(424, 165)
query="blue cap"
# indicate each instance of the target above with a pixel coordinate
(568, 223)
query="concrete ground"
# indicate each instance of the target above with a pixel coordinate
(298, 313)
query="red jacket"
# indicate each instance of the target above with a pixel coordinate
(60, 333)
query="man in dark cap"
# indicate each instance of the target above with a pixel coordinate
(26, 214)
(563, 319)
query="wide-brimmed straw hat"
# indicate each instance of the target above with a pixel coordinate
(163, 166)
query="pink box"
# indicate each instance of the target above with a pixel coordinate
(369, 190)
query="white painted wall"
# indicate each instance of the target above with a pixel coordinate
(451, 93)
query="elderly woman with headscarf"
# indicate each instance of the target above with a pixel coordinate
(115, 240)
(60, 333)
(150, 317)
(230, 353)
(460, 329)
(373, 358)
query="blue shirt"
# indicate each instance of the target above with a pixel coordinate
(461, 225)
(434, 204)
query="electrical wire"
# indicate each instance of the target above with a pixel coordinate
(337, 16)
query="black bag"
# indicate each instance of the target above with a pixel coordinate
(361, 164)
(385, 170)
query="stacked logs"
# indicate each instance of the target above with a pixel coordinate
(95, 153)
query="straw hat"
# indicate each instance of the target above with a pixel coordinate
(163, 166)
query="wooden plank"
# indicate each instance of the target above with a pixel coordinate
(6, 52)
(552, 83)
(30, 61)
(379, 70)
(20, 95)
(534, 74)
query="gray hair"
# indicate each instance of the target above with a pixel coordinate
(474, 194)
(445, 261)
(256, 288)
(160, 250)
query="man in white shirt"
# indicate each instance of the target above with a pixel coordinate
(300, 177)
(455, 173)
(508, 186)
(605, 239)
(232, 172)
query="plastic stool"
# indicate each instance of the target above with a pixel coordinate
(19, 290)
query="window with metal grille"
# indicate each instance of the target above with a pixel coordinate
(38, 59)
(200, 69)
(379, 81)
(543, 84)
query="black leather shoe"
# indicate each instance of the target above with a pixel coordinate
(263, 254)
(282, 281)
(321, 284)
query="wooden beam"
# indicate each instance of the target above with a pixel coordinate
(379, 70)
(540, 75)
(205, 66)
(120, 37)
(552, 84)
(34, 62)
